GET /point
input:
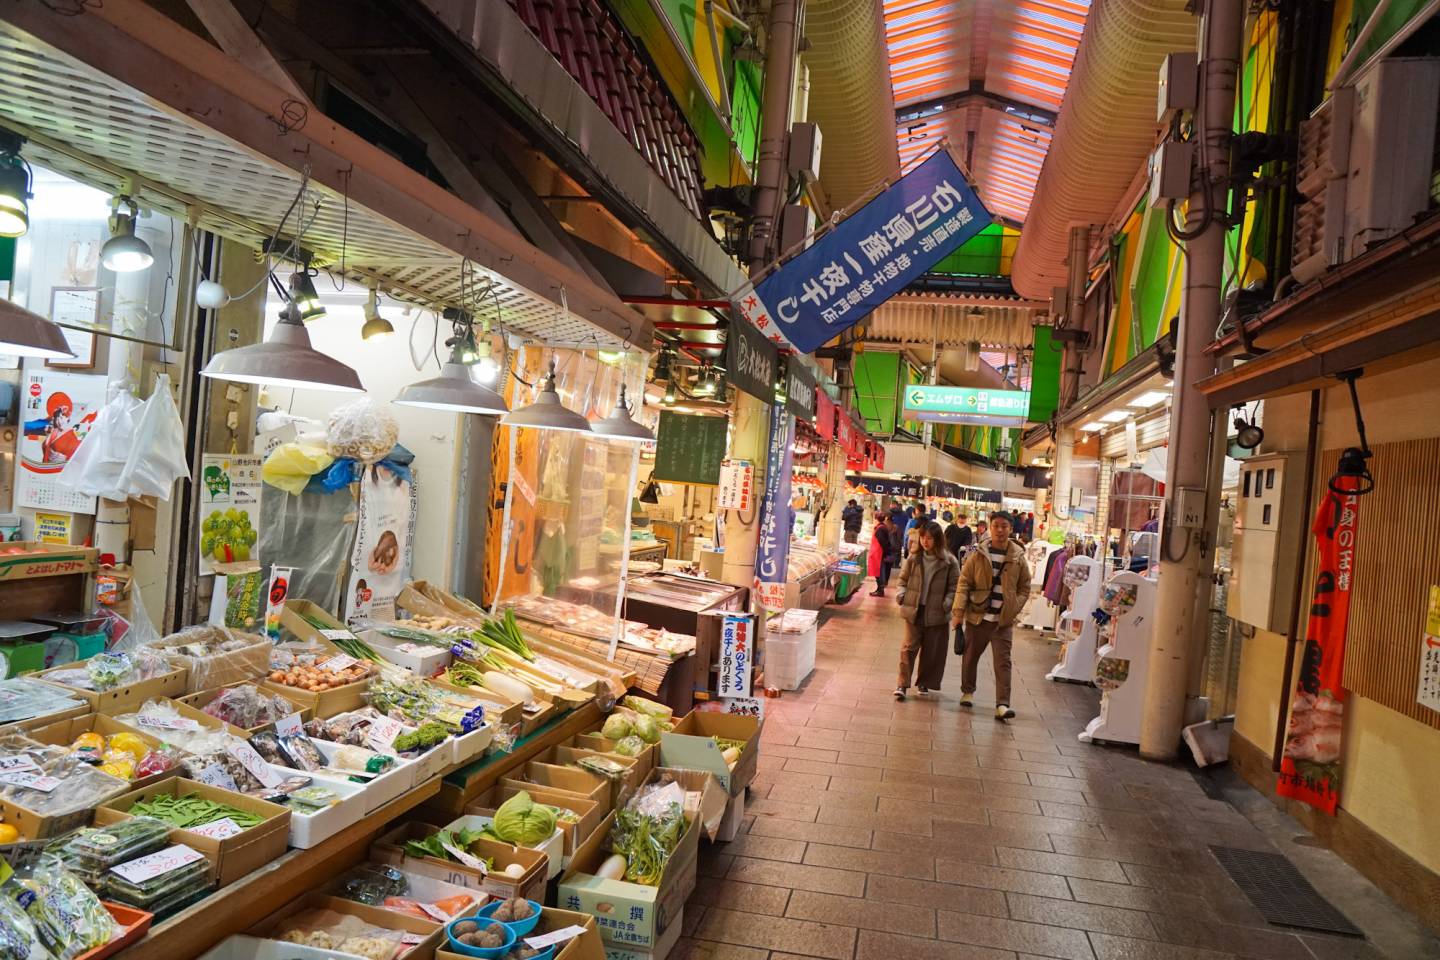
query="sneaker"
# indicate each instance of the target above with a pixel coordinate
(924, 691)
(877, 593)
(899, 693)
(966, 700)
(1003, 712)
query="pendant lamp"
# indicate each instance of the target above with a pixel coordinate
(124, 252)
(284, 359)
(620, 425)
(27, 334)
(14, 187)
(376, 327)
(455, 390)
(547, 412)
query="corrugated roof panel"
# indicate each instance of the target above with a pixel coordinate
(1027, 53)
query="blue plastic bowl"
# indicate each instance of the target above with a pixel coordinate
(465, 950)
(520, 928)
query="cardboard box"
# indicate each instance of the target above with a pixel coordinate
(28, 559)
(570, 780)
(586, 946)
(199, 701)
(38, 825)
(127, 696)
(324, 703)
(423, 889)
(186, 711)
(690, 747)
(220, 669)
(552, 847)
(390, 849)
(424, 935)
(661, 950)
(647, 759)
(235, 856)
(588, 811)
(62, 733)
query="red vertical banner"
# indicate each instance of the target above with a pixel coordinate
(1310, 766)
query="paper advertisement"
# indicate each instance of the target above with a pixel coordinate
(380, 562)
(229, 509)
(57, 411)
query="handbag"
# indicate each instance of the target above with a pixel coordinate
(960, 639)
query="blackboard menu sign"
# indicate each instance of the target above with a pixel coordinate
(689, 449)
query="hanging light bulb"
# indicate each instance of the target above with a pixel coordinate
(376, 327)
(705, 386)
(611, 357)
(455, 390)
(27, 334)
(303, 295)
(124, 252)
(547, 412)
(284, 359)
(211, 295)
(620, 425)
(14, 187)
(669, 398)
(487, 368)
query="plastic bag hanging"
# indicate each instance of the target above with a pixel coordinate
(157, 457)
(95, 469)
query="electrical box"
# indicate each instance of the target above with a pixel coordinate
(1269, 522)
(1179, 80)
(804, 150)
(797, 222)
(1170, 167)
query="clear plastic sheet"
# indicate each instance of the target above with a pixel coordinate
(312, 533)
(81, 786)
(215, 656)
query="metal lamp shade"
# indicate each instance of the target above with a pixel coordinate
(285, 359)
(621, 426)
(547, 413)
(453, 390)
(27, 334)
(124, 252)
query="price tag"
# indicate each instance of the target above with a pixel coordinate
(470, 861)
(21, 762)
(158, 864)
(338, 663)
(554, 936)
(168, 723)
(435, 912)
(31, 781)
(410, 939)
(255, 763)
(288, 726)
(338, 635)
(383, 732)
(216, 776)
(218, 830)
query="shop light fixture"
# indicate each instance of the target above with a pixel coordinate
(611, 357)
(454, 390)
(124, 252)
(303, 295)
(1094, 426)
(662, 366)
(284, 359)
(620, 425)
(1149, 398)
(705, 386)
(651, 493)
(14, 187)
(547, 412)
(27, 334)
(210, 295)
(1115, 416)
(376, 327)
(487, 368)
(669, 398)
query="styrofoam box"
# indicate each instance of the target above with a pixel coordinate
(307, 831)
(554, 848)
(469, 746)
(243, 947)
(424, 664)
(380, 790)
(427, 889)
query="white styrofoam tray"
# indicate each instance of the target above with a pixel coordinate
(427, 663)
(244, 947)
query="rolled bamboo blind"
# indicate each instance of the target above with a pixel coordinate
(1397, 559)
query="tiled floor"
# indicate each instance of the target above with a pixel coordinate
(879, 830)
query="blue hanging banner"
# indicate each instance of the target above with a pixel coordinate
(868, 258)
(777, 516)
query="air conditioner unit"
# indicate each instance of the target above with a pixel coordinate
(1322, 160)
(1392, 149)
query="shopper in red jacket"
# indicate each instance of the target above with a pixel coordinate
(882, 552)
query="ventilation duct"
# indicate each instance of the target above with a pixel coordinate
(1001, 324)
(1105, 131)
(850, 97)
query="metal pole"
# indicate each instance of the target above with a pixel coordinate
(1178, 629)
(781, 43)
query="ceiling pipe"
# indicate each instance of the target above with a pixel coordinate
(1105, 131)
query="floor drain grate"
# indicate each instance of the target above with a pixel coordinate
(1279, 891)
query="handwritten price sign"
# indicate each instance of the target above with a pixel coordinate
(158, 864)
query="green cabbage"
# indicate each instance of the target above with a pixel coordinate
(648, 707)
(522, 821)
(647, 729)
(631, 746)
(617, 727)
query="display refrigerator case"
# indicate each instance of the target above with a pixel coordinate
(809, 582)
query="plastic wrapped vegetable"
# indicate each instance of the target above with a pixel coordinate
(649, 707)
(18, 937)
(617, 727)
(647, 729)
(631, 746)
(68, 916)
(522, 821)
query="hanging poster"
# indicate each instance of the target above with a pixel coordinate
(275, 600)
(229, 509)
(872, 255)
(57, 411)
(1310, 766)
(772, 547)
(1429, 692)
(737, 485)
(736, 656)
(380, 562)
(54, 527)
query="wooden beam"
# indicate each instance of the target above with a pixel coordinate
(233, 34)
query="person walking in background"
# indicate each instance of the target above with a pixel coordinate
(957, 535)
(994, 585)
(852, 518)
(897, 516)
(928, 579)
(981, 530)
(882, 552)
(909, 537)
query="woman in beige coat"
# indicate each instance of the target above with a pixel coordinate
(927, 593)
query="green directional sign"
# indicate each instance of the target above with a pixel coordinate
(1006, 408)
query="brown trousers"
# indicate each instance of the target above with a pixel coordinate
(978, 636)
(927, 644)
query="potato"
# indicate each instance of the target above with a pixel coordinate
(464, 927)
(520, 909)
